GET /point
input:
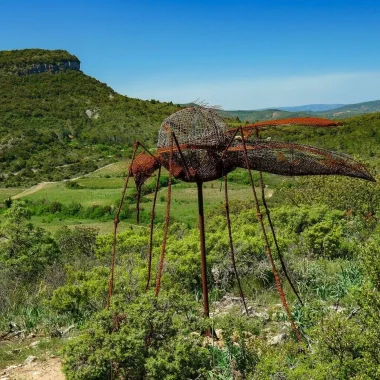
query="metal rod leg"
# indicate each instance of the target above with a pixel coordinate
(232, 251)
(151, 226)
(116, 223)
(203, 250)
(283, 266)
(269, 251)
(167, 220)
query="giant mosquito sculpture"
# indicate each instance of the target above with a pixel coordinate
(196, 145)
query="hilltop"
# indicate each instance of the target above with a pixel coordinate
(58, 124)
(32, 61)
(353, 109)
(312, 107)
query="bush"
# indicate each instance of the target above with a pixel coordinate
(150, 339)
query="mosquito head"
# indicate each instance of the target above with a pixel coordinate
(143, 166)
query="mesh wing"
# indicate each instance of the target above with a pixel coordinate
(317, 122)
(295, 160)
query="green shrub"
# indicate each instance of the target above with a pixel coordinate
(149, 339)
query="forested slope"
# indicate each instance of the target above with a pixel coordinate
(59, 125)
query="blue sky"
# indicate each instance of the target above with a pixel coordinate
(236, 54)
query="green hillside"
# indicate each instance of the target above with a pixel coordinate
(259, 115)
(336, 113)
(12, 59)
(56, 126)
(56, 245)
(352, 110)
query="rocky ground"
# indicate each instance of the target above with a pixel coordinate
(33, 369)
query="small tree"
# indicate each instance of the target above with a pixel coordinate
(26, 251)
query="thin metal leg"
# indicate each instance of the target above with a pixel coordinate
(232, 251)
(269, 251)
(283, 266)
(138, 200)
(116, 223)
(151, 226)
(167, 220)
(203, 250)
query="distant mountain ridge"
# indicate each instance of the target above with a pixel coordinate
(311, 107)
(353, 109)
(283, 112)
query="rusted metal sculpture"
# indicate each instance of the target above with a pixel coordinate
(196, 145)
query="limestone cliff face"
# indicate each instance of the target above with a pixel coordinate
(35, 61)
(44, 67)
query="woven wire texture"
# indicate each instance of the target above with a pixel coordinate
(202, 136)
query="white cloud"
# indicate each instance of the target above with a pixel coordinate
(255, 93)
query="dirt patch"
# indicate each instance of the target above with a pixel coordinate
(32, 190)
(38, 370)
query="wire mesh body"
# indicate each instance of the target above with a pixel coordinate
(201, 137)
(204, 152)
(195, 145)
(193, 126)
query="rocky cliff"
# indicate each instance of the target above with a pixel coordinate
(34, 61)
(51, 67)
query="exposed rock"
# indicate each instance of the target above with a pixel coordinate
(66, 331)
(250, 309)
(219, 333)
(55, 333)
(277, 339)
(37, 68)
(337, 309)
(30, 359)
(35, 344)
(264, 316)
(92, 114)
(9, 368)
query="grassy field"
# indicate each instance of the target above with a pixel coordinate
(184, 206)
(117, 169)
(9, 192)
(103, 187)
(53, 224)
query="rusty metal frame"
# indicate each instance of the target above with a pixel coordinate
(204, 141)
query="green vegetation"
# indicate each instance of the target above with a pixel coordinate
(330, 254)
(11, 60)
(353, 109)
(336, 113)
(259, 115)
(56, 244)
(62, 125)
